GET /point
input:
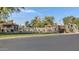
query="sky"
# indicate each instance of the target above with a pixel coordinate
(58, 12)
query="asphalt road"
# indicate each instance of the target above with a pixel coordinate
(46, 43)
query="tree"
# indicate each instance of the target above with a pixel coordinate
(69, 19)
(6, 11)
(77, 22)
(70, 22)
(27, 23)
(48, 20)
(36, 22)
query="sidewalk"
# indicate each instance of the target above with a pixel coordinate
(15, 37)
(38, 35)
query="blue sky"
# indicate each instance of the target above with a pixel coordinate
(58, 12)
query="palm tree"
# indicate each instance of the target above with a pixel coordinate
(36, 22)
(6, 11)
(49, 20)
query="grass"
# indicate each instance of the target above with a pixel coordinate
(14, 35)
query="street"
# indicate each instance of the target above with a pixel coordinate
(44, 43)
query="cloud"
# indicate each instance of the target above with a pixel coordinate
(29, 11)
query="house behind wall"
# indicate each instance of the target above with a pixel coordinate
(8, 27)
(71, 28)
